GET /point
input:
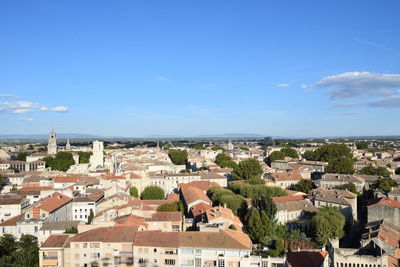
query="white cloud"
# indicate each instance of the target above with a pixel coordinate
(59, 109)
(281, 85)
(21, 111)
(391, 102)
(304, 86)
(357, 84)
(161, 78)
(25, 119)
(43, 108)
(8, 95)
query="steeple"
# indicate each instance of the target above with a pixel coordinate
(52, 143)
(68, 145)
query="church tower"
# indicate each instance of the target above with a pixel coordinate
(97, 159)
(52, 144)
(68, 145)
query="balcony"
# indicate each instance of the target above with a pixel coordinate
(50, 258)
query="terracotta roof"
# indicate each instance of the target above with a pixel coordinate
(12, 221)
(59, 225)
(54, 202)
(118, 234)
(293, 176)
(173, 197)
(111, 176)
(130, 220)
(199, 209)
(306, 258)
(66, 179)
(384, 201)
(174, 216)
(11, 199)
(288, 198)
(203, 185)
(192, 194)
(228, 239)
(220, 212)
(55, 241)
(157, 239)
(211, 175)
(134, 176)
(35, 188)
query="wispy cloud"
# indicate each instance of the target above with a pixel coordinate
(376, 45)
(21, 111)
(161, 78)
(8, 95)
(25, 119)
(282, 85)
(304, 86)
(59, 109)
(22, 107)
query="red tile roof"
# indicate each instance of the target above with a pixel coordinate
(294, 176)
(306, 258)
(288, 198)
(54, 202)
(12, 221)
(199, 209)
(384, 201)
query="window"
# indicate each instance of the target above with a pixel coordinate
(85, 245)
(198, 262)
(155, 250)
(221, 263)
(36, 229)
(169, 252)
(169, 262)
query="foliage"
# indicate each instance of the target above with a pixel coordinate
(152, 192)
(256, 190)
(218, 147)
(349, 187)
(61, 162)
(133, 191)
(22, 253)
(371, 170)
(232, 227)
(249, 168)
(276, 155)
(224, 161)
(71, 230)
(340, 165)
(329, 152)
(255, 228)
(84, 157)
(397, 171)
(326, 224)
(290, 152)
(304, 185)
(91, 216)
(384, 184)
(173, 206)
(22, 156)
(2, 182)
(362, 145)
(221, 196)
(42, 149)
(265, 204)
(178, 156)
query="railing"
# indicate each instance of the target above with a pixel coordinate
(50, 257)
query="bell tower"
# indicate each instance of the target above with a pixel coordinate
(52, 144)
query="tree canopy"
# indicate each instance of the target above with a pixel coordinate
(21, 253)
(362, 145)
(248, 168)
(326, 224)
(256, 190)
(349, 187)
(290, 152)
(371, 170)
(61, 161)
(22, 156)
(329, 152)
(340, 165)
(133, 191)
(384, 184)
(178, 156)
(84, 156)
(276, 155)
(304, 185)
(224, 161)
(152, 192)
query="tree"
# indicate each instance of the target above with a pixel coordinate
(218, 147)
(265, 204)
(249, 168)
(27, 253)
(290, 152)
(304, 185)
(134, 191)
(71, 230)
(7, 245)
(22, 156)
(178, 156)
(371, 170)
(84, 157)
(248, 190)
(276, 155)
(397, 171)
(2, 182)
(91, 216)
(224, 161)
(349, 187)
(232, 227)
(329, 152)
(362, 145)
(254, 226)
(233, 202)
(340, 165)
(61, 161)
(152, 192)
(268, 224)
(168, 207)
(326, 224)
(384, 184)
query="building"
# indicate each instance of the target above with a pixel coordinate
(284, 180)
(384, 209)
(97, 159)
(11, 206)
(56, 207)
(81, 208)
(52, 143)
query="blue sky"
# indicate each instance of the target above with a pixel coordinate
(138, 68)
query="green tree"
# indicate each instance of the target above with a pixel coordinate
(217, 147)
(248, 190)
(84, 157)
(152, 192)
(233, 202)
(42, 149)
(329, 152)
(265, 203)
(384, 184)
(370, 170)
(61, 162)
(249, 168)
(22, 156)
(178, 156)
(349, 187)
(224, 161)
(362, 145)
(268, 224)
(232, 227)
(7, 245)
(304, 185)
(134, 191)
(2, 182)
(71, 230)
(27, 252)
(382, 171)
(326, 224)
(173, 206)
(276, 155)
(397, 171)
(254, 226)
(91, 216)
(290, 152)
(340, 165)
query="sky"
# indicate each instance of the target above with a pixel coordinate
(184, 68)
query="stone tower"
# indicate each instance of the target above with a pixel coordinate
(52, 144)
(68, 145)
(97, 159)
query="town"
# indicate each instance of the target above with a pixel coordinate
(201, 203)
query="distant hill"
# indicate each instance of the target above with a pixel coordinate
(45, 136)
